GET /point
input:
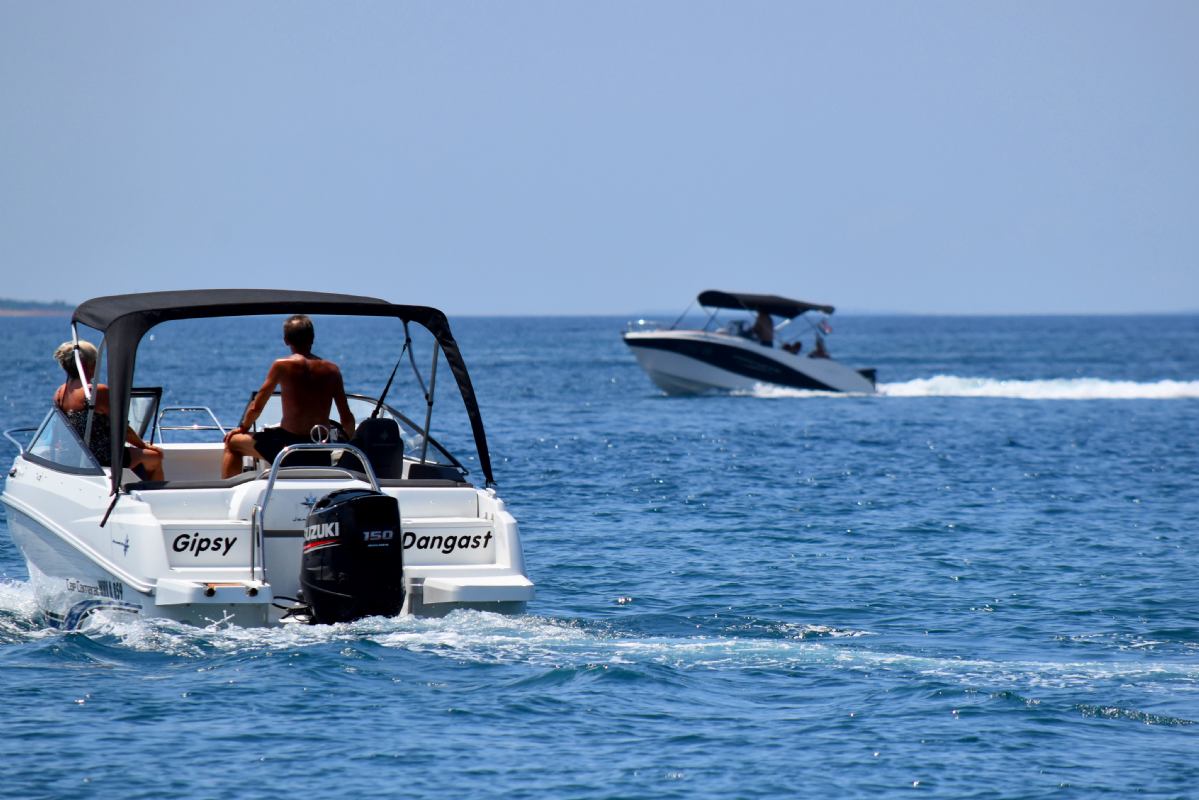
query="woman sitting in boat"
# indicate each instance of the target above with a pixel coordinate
(72, 401)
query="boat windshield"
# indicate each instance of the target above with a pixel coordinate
(362, 407)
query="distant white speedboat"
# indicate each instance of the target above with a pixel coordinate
(382, 524)
(744, 353)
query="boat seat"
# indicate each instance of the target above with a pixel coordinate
(379, 439)
(431, 471)
(298, 474)
(215, 483)
(301, 473)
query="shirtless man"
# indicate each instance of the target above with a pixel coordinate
(764, 329)
(309, 384)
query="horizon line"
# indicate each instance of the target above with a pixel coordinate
(66, 312)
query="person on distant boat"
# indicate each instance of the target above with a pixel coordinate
(818, 351)
(764, 329)
(70, 398)
(309, 385)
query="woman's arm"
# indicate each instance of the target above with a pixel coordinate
(132, 438)
(101, 398)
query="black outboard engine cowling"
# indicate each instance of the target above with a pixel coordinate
(353, 564)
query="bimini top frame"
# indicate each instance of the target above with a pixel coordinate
(124, 319)
(770, 303)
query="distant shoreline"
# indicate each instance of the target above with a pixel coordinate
(35, 312)
(33, 308)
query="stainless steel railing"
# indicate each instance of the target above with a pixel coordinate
(215, 426)
(8, 434)
(258, 513)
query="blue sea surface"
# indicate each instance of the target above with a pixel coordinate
(981, 583)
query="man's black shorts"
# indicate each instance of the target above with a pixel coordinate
(269, 441)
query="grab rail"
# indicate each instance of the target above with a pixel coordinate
(258, 513)
(8, 434)
(216, 426)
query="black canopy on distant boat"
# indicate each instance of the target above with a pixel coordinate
(770, 303)
(124, 319)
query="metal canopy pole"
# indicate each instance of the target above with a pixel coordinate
(87, 391)
(424, 445)
(88, 396)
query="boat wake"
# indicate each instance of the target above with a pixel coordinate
(1054, 389)
(582, 645)
(556, 645)
(1050, 389)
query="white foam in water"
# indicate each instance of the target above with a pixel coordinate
(16, 598)
(491, 638)
(1050, 389)
(484, 638)
(481, 637)
(1055, 389)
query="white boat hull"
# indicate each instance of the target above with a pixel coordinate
(71, 582)
(185, 554)
(695, 362)
(188, 544)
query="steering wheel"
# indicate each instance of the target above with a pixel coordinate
(328, 431)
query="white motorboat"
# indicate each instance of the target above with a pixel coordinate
(742, 355)
(203, 550)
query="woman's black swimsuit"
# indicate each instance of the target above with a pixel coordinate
(101, 443)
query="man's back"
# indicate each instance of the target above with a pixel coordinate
(309, 385)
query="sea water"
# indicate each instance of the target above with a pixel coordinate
(982, 582)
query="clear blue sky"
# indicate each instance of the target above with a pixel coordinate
(606, 157)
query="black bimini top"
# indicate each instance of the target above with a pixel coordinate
(770, 303)
(124, 319)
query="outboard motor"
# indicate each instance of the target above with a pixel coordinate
(353, 565)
